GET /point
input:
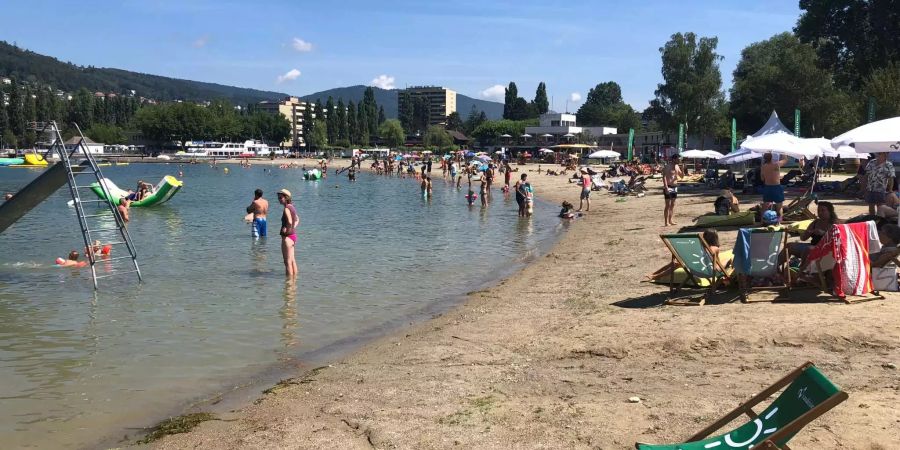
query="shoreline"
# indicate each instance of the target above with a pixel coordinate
(549, 356)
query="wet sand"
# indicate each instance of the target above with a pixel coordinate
(549, 357)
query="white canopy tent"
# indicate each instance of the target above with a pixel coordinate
(876, 137)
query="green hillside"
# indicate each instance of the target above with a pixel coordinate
(32, 67)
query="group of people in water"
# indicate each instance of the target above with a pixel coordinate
(257, 213)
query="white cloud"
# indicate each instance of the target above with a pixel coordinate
(496, 92)
(289, 76)
(201, 41)
(575, 97)
(383, 81)
(301, 46)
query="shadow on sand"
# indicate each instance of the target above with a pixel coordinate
(764, 296)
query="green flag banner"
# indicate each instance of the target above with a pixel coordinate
(797, 122)
(733, 133)
(680, 137)
(630, 143)
(870, 112)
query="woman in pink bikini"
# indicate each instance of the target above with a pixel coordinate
(290, 220)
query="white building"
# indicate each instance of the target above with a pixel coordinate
(561, 124)
(94, 148)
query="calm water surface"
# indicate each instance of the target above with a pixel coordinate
(214, 308)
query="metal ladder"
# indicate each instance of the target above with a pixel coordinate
(91, 225)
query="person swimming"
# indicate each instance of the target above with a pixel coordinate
(72, 260)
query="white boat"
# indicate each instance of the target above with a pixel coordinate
(205, 150)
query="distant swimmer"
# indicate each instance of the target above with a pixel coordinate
(351, 174)
(98, 249)
(71, 261)
(7, 197)
(259, 208)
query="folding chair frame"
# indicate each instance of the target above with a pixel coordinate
(744, 280)
(713, 284)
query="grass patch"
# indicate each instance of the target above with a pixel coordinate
(176, 425)
(480, 406)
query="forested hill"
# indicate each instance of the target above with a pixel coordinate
(388, 99)
(36, 68)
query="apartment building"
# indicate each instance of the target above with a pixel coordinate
(292, 108)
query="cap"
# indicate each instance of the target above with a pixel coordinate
(770, 217)
(284, 192)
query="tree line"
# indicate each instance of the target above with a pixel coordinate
(339, 125)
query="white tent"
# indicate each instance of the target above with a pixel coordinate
(876, 137)
(772, 126)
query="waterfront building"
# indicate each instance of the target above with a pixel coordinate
(561, 124)
(291, 108)
(441, 102)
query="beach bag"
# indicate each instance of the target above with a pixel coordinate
(885, 279)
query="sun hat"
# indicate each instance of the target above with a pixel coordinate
(770, 217)
(285, 193)
(584, 170)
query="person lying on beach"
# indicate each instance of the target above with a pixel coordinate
(71, 261)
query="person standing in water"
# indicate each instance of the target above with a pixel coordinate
(290, 220)
(259, 208)
(521, 193)
(123, 209)
(671, 174)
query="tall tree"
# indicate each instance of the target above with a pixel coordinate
(474, 119)
(381, 116)
(341, 113)
(783, 74)
(371, 108)
(509, 100)
(420, 114)
(331, 119)
(454, 122)
(852, 37)
(691, 88)
(226, 125)
(318, 139)
(308, 122)
(352, 124)
(541, 103)
(363, 123)
(405, 108)
(391, 132)
(883, 86)
(81, 108)
(14, 109)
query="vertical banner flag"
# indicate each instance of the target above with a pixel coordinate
(870, 112)
(733, 133)
(797, 122)
(630, 143)
(680, 137)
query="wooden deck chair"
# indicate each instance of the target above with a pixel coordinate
(691, 251)
(761, 253)
(798, 209)
(807, 395)
(821, 258)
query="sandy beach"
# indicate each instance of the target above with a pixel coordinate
(549, 357)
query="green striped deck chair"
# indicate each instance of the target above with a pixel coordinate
(691, 252)
(808, 394)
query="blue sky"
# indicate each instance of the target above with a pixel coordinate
(301, 47)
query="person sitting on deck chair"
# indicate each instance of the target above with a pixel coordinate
(726, 203)
(889, 235)
(711, 237)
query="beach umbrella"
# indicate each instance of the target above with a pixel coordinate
(604, 154)
(469, 154)
(526, 154)
(712, 154)
(447, 156)
(505, 136)
(398, 158)
(739, 156)
(694, 154)
(547, 135)
(545, 150)
(568, 135)
(526, 136)
(783, 144)
(484, 158)
(846, 152)
(876, 137)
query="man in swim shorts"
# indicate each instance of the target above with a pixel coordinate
(773, 191)
(671, 174)
(259, 208)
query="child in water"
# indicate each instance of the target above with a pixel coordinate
(72, 261)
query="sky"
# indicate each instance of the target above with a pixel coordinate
(475, 47)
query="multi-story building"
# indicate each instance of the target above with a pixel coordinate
(292, 108)
(441, 102)
(563, 124)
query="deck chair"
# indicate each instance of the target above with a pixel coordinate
(798, 209)
(807, 395)
(845, 251)
(690, 251)
(761, 253)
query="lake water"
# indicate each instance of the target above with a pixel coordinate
(214, 310)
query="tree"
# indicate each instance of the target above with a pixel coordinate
(604, 107)
(884, 87)
(781, 74)
(405, 108)
(420, 116)
(454, 122)
(509, 100)
(226, 124)
(381, 116)
(14, 109)
(107, 134)
(656, 117)
(520, 110)
(318, 139)
(308, 123)
(691, 88)
(371, 108)
(271, 128)
(352, 124)
(436, 136)
(391, 132)
(81, 108)
(363, 123)
(331, 120)
(541, 104)
(341, 120)
(490, 131)
(852, 37)
(189, 121)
